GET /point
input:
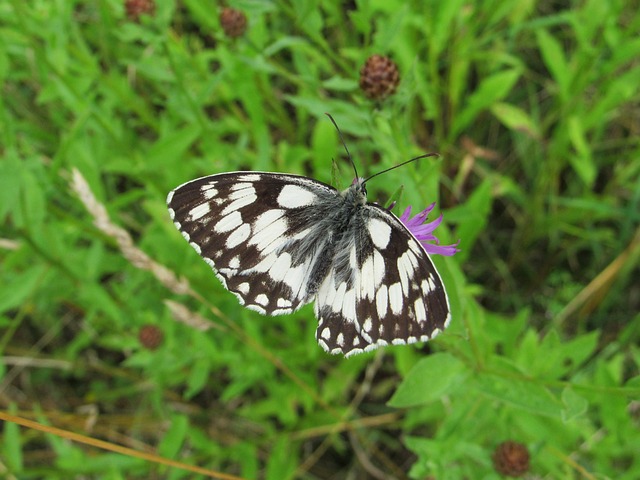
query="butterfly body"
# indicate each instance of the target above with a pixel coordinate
(280, 241)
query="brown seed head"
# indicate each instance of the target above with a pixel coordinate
(150, 336)
(379, 77)
(511, 458)
(136, 8)
(233, 22)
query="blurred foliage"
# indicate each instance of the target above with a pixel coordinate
(533, 107)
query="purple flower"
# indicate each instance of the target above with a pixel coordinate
(424, 231)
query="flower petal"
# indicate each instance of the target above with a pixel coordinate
(424, 231)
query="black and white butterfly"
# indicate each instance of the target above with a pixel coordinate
(279, 241)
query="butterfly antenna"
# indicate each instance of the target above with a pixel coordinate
(344, 144)
(401, 164)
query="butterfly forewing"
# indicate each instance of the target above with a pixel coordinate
(280, 241)
(251, 228)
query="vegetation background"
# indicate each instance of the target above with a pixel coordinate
(534, 108)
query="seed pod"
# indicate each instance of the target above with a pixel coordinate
(136, 8)
(150, 336)
(233, 22)
(511, 458)
(379, 77)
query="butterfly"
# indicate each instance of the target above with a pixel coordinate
(280, 241)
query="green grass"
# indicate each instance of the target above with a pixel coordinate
(534, 110)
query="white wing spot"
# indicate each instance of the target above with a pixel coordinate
(367, 283)
(336, 304)
(283, 303)
(267, 235)
(239, 201)
(242, 186)
(382, 301)
(262, 299)
(238, 236)
(294, 196)
(266, 263)
(243, 288)
(250, 177)
(228, 222)
(378, 268)
(267, 218)
(380, 233)
(367, 325)
(234, 262)
(349, 304)
(326, 333)
(208, 191)
(200, 211)
(395, 298)
(421, 313)
(340, 340)
(280, 268)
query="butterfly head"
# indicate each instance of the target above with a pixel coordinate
(356, 194)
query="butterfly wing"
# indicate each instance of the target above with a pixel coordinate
(256, 230)
(394, 296)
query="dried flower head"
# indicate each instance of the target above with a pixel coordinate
(233, 22)
(137, 8)
(511, 458)
(150, 336)
(379, 77)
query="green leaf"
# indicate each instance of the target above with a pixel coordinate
(555, 61)
(172, 145)
(575, 405)
(516, 119)
(175, 437)
(521, 394)
(12, 445)
(282, 461)
(23, 285)
(582, 162)
(430, 379)
(198, 376)
(491, 90)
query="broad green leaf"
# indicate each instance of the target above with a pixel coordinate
(521, 394)
(429, 380)
(575, 405)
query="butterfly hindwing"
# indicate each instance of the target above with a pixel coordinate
(252, 229)
(395, 295)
